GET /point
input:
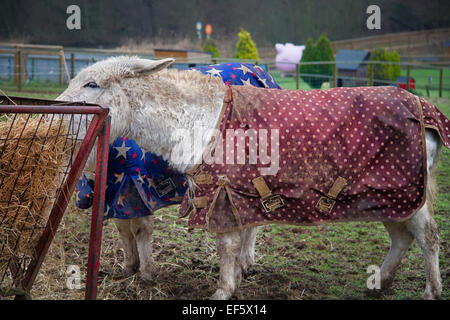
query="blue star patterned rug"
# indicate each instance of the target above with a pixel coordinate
(238, 74)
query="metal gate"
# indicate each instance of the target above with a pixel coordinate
(44, 147)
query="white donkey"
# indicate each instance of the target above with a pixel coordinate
(149, 102)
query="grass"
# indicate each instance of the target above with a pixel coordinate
(37, 95)
(34, 89)
(46, 89)
(421, 76)
(323, 262)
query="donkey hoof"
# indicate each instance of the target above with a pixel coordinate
(125, 273)
(246, 265)
(428, 295)
(375, 293)
(220, 294)
(146, 278)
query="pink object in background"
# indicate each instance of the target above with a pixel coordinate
(288, 55)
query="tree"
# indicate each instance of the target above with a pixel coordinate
(396, 70)
(210, 46)
(110, 22)
(308, 56)
(321, 51)
(384, 72)
(245, 47)
(324, 52)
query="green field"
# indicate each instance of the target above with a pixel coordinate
(35, 89)
(324, 262)
(421, 76)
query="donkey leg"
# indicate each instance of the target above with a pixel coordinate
(247, 257)
(142, 229)
(129, 247)
(425, 231)
(229, 249)
(401, 240)
(422, 224)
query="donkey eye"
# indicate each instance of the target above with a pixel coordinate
(91, 85)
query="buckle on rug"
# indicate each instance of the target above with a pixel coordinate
(272, 202)
(325, 204)
(203, 178)
(165, 187)
(200, 202)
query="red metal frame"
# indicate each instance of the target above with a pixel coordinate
(99, 127)
(97, 212)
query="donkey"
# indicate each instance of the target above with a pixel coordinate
(149, 102)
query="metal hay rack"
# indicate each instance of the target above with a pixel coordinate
(44, 147)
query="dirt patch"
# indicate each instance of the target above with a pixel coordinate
(326, 262)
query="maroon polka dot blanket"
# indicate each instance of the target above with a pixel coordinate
(307, 157)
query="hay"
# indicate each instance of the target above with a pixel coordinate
(32, 159)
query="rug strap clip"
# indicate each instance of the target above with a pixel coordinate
(203, 178)
(326, 203)
(200, 202)
(269, 201)
(165, 187)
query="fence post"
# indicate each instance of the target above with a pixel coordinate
(441, 74)
(32, 69)
(72, 65)
(297, 74)
(25, 66)
(335, 75)
(64, 62)
(60, 70)
(408, 76)
(19, 70)
(16, 66)
(370, 75)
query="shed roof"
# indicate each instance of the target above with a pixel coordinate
(402, 79)
(355, 56)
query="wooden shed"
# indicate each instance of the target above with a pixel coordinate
(184, 55)
(447, 48)
(351, 67)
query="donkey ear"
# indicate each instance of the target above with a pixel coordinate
(142, 67)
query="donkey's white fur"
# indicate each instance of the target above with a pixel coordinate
(149, 106)
(139, 97)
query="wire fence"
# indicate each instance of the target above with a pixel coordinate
(422, 79)
(34, 70)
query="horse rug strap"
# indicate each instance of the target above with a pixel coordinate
(327, 203)
(269, 201)
(343, 154)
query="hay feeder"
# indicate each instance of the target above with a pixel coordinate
(44, 146)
